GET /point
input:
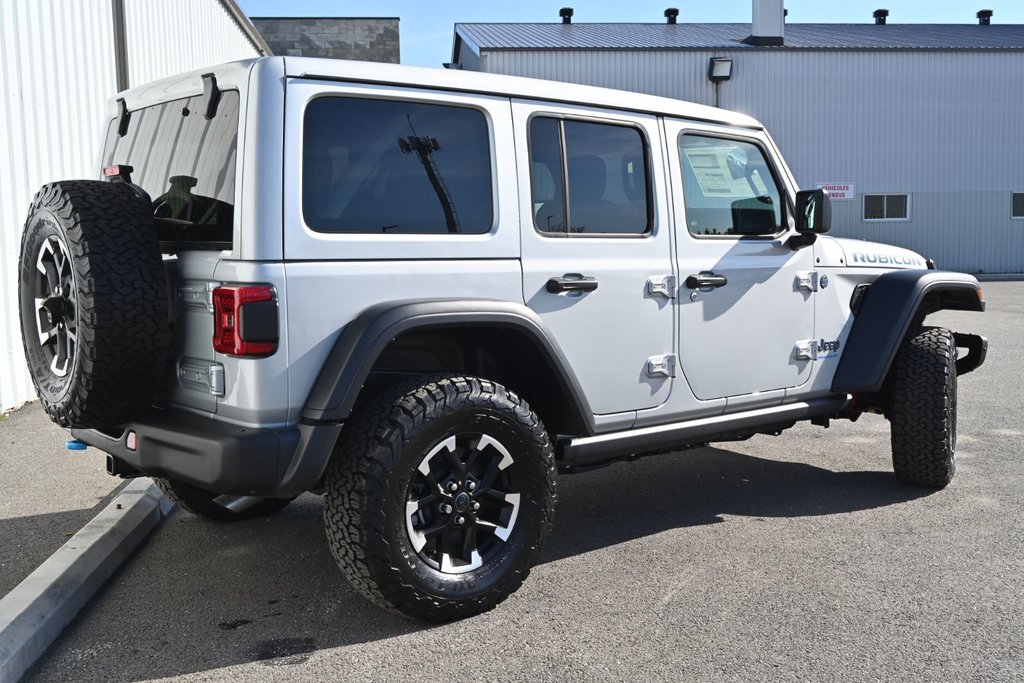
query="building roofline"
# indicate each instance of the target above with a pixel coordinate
(248, 28)
(745, 47)
(649, 36)
(318, 17)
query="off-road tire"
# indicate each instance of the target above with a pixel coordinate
(201, 502)
(115, 294)
(922, 408)
(370, 476)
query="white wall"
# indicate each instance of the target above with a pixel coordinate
(56, 72)
(168, 37)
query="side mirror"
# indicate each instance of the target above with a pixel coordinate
(813, 212)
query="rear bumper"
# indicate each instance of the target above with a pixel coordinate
(218, 456)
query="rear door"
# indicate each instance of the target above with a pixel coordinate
(596, 249)
(743, 309)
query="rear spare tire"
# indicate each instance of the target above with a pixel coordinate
(922, 408)
(93, 297)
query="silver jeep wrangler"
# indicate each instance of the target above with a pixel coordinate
(423, 292)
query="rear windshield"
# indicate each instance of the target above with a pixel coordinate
(186, 163)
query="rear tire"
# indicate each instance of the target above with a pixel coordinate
(922, 408)
(202, 502)
(439, 496)
(93, 297)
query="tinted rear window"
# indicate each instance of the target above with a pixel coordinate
(186, 163)
(395, 167)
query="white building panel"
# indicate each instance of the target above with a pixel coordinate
(168, 38)
(57, 69)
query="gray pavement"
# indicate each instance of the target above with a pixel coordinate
(795, 557)
(47, 493)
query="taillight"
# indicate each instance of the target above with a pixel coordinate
(245, 320)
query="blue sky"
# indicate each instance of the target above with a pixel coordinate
(426, 28)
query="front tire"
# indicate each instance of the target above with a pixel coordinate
(439, 496)
(922, 410)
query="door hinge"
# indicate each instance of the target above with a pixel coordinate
(807, 280)
(201, 375)
(662, 366)
(807, 349)
(664, 286)
(198, 295)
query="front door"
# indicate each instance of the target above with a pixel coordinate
(745, 299)
(596, 247)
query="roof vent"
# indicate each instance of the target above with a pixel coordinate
(984, 17)
(880, 15)
(566, 14)
(670, 15)
(768, 25)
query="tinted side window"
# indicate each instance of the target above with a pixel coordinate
(728, 188)
(605, 178)
(388, 166)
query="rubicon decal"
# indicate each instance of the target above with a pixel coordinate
(888, 259)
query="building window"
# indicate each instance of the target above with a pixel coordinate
(604, 174)
(886, 207)
(1017, 208)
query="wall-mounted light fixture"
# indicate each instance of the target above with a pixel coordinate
(719, 69)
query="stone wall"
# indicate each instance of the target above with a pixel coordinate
(364, 38)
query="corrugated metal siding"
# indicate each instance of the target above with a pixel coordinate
(167, 38)
(56, 73)
(942, 126)
(56, 70)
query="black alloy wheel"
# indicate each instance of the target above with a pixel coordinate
(463, 502)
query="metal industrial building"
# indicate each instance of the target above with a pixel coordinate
(61, 60)
(914, 128)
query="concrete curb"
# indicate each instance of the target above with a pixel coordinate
(37, 610)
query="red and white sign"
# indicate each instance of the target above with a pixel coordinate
(838, 192)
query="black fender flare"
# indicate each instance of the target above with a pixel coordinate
(362, 341)
(886, 313)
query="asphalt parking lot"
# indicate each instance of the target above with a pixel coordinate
(794, 557)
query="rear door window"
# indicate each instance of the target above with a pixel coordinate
(395, 167)
(603, 170)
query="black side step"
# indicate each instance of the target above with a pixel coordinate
(592, 450)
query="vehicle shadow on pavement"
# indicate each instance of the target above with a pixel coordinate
(201, 596)
(626, 501)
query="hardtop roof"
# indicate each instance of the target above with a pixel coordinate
(508, 86)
